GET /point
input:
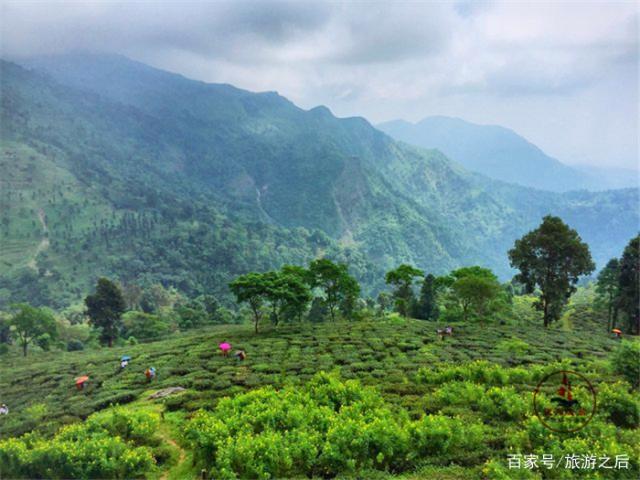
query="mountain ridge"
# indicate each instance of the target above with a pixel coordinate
(213, 166)
(496, 151)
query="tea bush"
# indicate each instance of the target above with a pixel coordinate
(102, 447)
(326, 428)
(503, 404)
(618, 405)
(597, 438)
(626, 361)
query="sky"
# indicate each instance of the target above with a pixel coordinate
(562, 74)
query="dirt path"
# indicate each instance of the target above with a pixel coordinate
(44, 243)
(181, 458)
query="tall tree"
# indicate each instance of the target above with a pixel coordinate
(253, 289)
(607, 291)
(476, 290)
(629, 285)
(552, 257)
(426, 306)
(105, 308)
(287, 293)
(335, 282)
(28, 323)
(402, 278)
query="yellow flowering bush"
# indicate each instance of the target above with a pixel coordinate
(101, 447)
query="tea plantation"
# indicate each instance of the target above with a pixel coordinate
(396, 400)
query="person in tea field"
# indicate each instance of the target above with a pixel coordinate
(150, 373)
(81, 382)
(4, 410)
(124, 361)
(225, 348)
(447, 331)
(240, 355)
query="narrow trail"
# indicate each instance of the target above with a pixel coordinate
(44, 243)
(181, 458)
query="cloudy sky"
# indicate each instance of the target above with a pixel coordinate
(564, 75)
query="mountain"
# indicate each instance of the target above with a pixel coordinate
(497, 152)
(112, 167)
(611, 177)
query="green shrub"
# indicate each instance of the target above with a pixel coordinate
(626, 361)
(503, 404)
(513, 347)
(74, 345)
(325, 428)
(618, 405)
(97, 448)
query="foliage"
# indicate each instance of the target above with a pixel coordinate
(145, 326)
(626, 361)
(607, 290)
(337, 286)
(552, 257)
(105, 308)
(108, 445)
(426, 307)
(28, 324)
(286, 291)
(629, 285)
(253, 289)
(620, 407)
(402, 278)
(476, 290)
(406, 362)
(328, 428)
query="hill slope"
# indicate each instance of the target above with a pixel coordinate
(144, 175)
(495, 151)
(404, 360)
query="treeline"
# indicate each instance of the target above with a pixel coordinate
(618, 290)
(551, 259)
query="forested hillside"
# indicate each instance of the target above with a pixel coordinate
(113, 168)
(495, 151)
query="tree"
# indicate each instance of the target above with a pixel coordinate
(476, 289)
(607, 291)
(105, 308)
(288, 293)
(629, 288)
(144, 326)
(402, 278)
(426, 306)
(30, 323)
(335, 282)
(253, 289)
(551, 257)
(384, 303)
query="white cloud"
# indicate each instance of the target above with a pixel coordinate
(565, 74)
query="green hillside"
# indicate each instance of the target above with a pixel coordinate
(475, 388)
(137, 174)
(492, 150)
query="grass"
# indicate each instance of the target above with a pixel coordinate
(384, 353)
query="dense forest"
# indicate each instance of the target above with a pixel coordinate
(112, 168)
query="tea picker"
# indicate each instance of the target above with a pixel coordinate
(81, 381)
(150, 373)
(124, 361)
(224, 348)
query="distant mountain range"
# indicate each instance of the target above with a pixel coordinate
(111, 167)
(504, 155)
